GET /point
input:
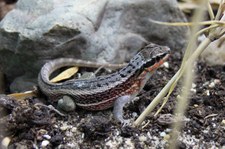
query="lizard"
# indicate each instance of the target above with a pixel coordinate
(103, 92)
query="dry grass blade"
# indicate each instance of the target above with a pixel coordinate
(189, 74)
(172, 83)
(210, 10)
(189, 56)
(68, 73)
(221, 23)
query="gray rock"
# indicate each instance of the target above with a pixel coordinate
(104, 31)
(2, 83)
(23, 83)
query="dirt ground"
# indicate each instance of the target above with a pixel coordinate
(31, 126)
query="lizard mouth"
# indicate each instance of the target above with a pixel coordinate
(158, 64)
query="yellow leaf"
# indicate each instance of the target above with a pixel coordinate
(65, 74)
(22, 96)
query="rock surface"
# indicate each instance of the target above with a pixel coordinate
(214, 54)
(99, 30)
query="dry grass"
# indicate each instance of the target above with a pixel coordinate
(215, 31)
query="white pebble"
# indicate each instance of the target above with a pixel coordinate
(205, 131)
(214, 125)
(166, 64)
(193, 85)
(47, 137)
(168, 130)
(142, 138)
(205, 84)
(162, 134)
(64, 127)
(207, 92)
(5, 142)
(74, 129)
(216, 81)
(223, 122)
(212, 85)
(44, 143)
(134, 114)
(193, 90)
(195, 105)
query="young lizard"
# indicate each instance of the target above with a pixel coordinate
(103, 92)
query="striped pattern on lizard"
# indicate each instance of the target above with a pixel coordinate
(103, 92)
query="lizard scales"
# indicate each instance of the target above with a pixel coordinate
(101, 92)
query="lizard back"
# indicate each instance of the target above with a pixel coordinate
(100, 92)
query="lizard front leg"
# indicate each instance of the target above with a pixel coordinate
(118, 108)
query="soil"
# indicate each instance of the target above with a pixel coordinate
(32, 126)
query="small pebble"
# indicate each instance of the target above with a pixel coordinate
(64, 127)
(142, 138)
(193, 85)
(212, 85)
(162, 134)
(47, 137)
(223, 122)
(205, 131)
(217, 81)
(205, 84)
(134, 114)
(195, 105)
(193, 90)
(44, 143)
(5, 142)
(74, 129)
(69, 134)
(168, 130)
(55, 126)
(166, 64)
(207, 92)
(166, 137)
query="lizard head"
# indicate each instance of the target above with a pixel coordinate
(154, 55)
(148, 58)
